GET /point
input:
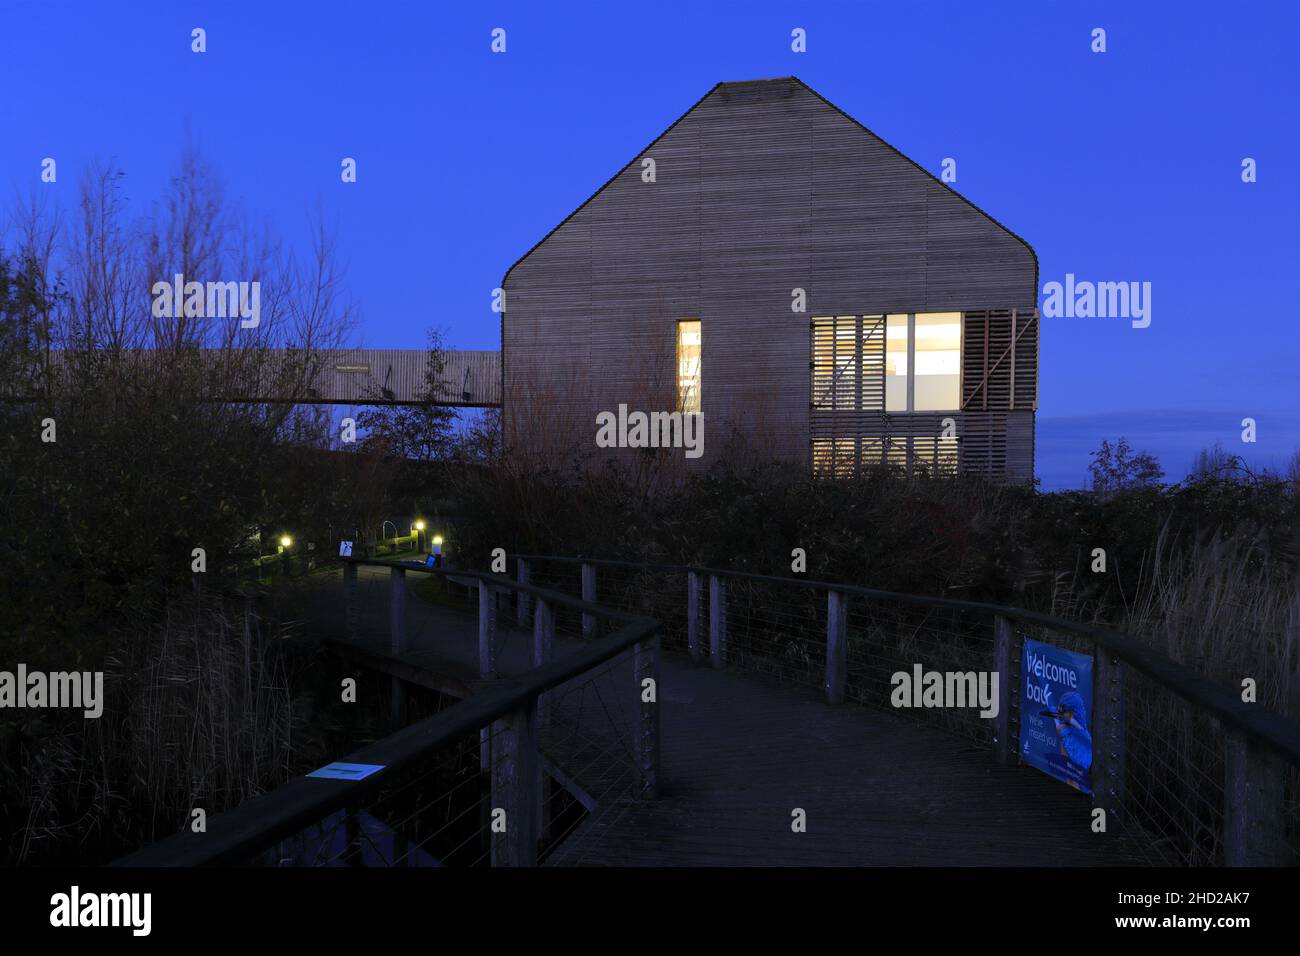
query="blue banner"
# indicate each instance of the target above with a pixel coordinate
(1056, 713)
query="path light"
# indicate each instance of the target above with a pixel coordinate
(286, 541)
(419, 525)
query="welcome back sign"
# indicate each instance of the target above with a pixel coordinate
(1056, 713)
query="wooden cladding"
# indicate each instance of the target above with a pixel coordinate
(848, 362)
(761, 188)
(996, 445)
(1000, 359)
(846, 443)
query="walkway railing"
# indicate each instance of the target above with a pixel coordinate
(1181, 765)
(497, 778)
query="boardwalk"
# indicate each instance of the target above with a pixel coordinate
(740, 753)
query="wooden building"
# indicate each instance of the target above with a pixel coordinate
(773, 265)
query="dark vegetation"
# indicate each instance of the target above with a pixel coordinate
(207, 705)
(958, 537)
(119, 460)
(1205, 570)
(1207, 567)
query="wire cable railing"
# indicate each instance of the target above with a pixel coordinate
(1181, 766)
(556, 732)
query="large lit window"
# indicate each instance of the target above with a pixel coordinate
(688, 365)
(916, 356)
(936, 349)
(923, 362)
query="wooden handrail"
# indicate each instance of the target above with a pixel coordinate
(1272, 730)
(238, 833)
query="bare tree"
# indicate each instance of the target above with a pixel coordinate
(1118, 467)
(104, 268)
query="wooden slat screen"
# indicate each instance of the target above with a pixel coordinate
(850, 430)
(1000, 359)
(846, 441)
(848, 362)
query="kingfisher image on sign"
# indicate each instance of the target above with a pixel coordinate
(1055, 710)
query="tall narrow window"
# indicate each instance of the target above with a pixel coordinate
(688, 365)
(936, 362)
(897, 398)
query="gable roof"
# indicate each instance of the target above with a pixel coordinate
(740, 86)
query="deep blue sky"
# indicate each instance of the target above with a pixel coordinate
(1115, 166)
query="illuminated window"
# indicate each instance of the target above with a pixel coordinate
(896, 354)
(915, 358)
(898, 363)
(923, 362)
(934, 455)
(833, 457)
(847, 357)
(936, 349)
(688, 365)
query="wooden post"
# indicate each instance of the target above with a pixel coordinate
(837, 651)
(351, 599)
(543, 648)
(397, 610)
(487, 661)
(487, 631)
(646, 670)
(397, 638)
(522, 599)
(543, 651)
(694, 605)
(589, 595)
(516, 788)
(1108, 747)
(1004, 639)
(352, 827)
(717, 621)
(1253, 833)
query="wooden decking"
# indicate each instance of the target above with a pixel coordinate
(739, 754)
